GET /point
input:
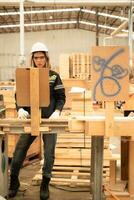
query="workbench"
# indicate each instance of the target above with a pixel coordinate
(91, 125)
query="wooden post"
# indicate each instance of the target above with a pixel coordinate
(124, 157)
(112, 178)
(131, 170)
(97, 167)
(34, 101)
(109, 123)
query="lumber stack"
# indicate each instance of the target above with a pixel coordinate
(72, 161)
(76, 65)
(9, 101)
(80, 66)
(64, 66)
(7, 90)
(81, 103)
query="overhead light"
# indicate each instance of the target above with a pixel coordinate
(65, 10)
(52, 11)
(38, 24)
(112, 16)
(51, 23)
(9, 13)
(88, 11)
(104, 14)
(60, 23)
(42, 11)
(100, 25)
(10, 26)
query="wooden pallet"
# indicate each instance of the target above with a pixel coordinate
(72, 162)
(80, 66)
(70, 176)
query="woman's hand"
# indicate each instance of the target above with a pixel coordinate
(22, 114)
(55, 114)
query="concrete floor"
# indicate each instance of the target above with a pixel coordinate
(29, 192)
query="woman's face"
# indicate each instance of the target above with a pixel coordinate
(39, 59)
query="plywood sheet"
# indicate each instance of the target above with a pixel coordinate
(23, 87)
(110, 73)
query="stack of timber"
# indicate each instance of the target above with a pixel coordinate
(7, 90)
(81, 103)
(64, 66)
(74, 83)
(80, 66)
(9, 100)
(72, 161)
(76, 65)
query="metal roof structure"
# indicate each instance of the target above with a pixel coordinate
(56, 16)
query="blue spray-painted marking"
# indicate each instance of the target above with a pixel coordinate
(116, 71)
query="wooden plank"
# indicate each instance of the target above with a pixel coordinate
(34, 101)
(67, 175)
(111, 193)
(64, 66)
(79, 153)
(77, 83)
(122, 127)
(28, 129)
(110, 73)
(23, 86)
(112, 172)
(109, 122)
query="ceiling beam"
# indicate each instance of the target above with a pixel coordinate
(119, 29)
(68, 2)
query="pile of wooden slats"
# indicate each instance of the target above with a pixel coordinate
(64, 66)
(72, 161)
(9, 102)
(75, 65)
(7, 90)
(80, 66)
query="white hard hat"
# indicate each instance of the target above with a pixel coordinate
(38, 46)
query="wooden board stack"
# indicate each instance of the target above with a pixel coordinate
(76, 65)
(80, 66)
(8, 92)
(72, 161)
(64, 66)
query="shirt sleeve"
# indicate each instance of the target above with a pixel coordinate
(59, 93)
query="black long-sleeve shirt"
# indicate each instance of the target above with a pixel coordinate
(57, 96)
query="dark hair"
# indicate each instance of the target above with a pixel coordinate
(47, 65)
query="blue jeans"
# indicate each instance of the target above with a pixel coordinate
(22, 147)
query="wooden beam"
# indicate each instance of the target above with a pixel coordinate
(119, 29)
(34, 101)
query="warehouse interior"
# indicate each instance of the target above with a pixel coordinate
(94, 150)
